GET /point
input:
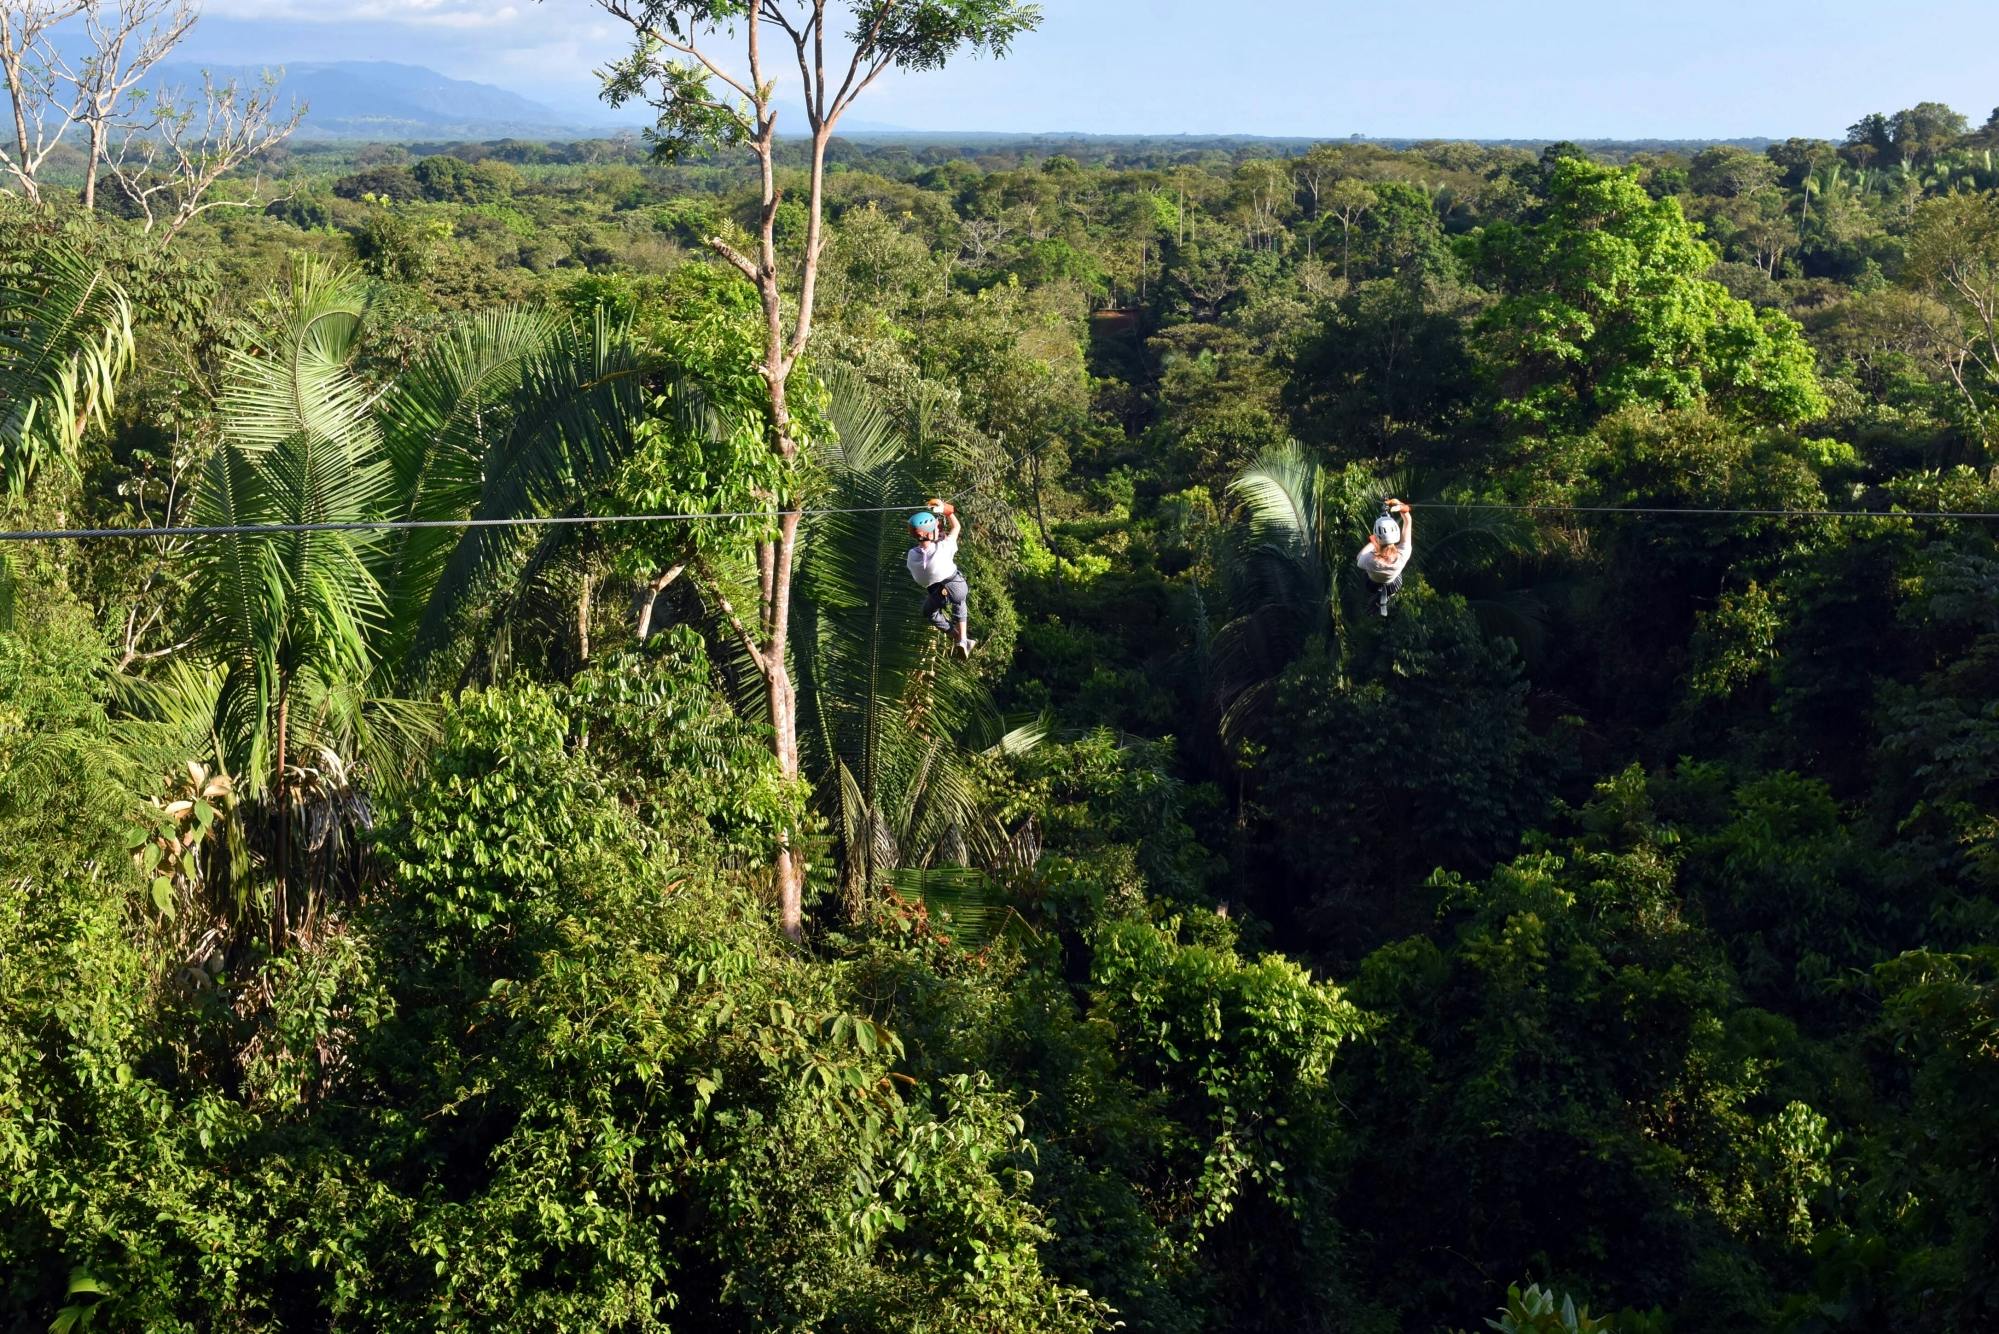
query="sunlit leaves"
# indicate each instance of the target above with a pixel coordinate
(65, 343)
(1606, 306)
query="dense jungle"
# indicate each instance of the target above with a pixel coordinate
(651, 925)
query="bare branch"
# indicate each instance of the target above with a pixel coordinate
(45, 102)
(170, 169)
(848, 91)
(127, 39)
(722, 604)
(654, 587)
(775, 14)
(741, 262)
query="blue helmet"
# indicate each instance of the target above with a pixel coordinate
(925, 524)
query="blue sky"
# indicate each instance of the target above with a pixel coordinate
(1450, 68)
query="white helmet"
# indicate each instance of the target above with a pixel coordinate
(1389, 531)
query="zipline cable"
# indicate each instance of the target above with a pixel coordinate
(405, 525)
(1689, 510)
(527, 521)
(558, 520)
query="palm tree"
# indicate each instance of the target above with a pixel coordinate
(65, 342)
(516, 413)
(311, 637)
(291, 619)
(893, 723)
(1282, 576)
(1288, 574)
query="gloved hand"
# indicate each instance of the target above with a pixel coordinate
(943, 509)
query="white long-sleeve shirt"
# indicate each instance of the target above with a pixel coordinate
(1390, 564)
(933, 564)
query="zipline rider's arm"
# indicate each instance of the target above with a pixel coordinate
(949, 513)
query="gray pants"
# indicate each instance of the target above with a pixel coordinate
(953, 591)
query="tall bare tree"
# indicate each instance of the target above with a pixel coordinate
(711, 68)
(1348, 201)
(43, 98)
(52, 92)
(127, 39)
(170, 168)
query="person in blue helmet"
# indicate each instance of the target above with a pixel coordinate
(933, 563)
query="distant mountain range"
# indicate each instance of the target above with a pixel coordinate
(372, 99)
(383, 101)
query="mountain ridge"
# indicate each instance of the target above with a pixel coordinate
(382, 99)
(391, 100)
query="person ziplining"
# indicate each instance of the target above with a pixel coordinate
(933, 564)
(1390, 547)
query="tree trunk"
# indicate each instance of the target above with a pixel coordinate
(653, 590)
(583, 621)
(15, 99)
(90, 167)
(279, 910)
(1040, 519)
(788, 869)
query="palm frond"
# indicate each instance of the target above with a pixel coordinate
(440, 422)
(299, 447)
(295, 378)
(65, 343)
(388, 737)
(893, 722)
(567, 425)
(181, 706)
(963, 902)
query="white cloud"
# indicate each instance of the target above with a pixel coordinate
(462, 14)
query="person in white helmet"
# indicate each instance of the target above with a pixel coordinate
(933, 564)
(1390, 547)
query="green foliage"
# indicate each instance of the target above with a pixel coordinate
(65, 343)
(1734, 643)
(725, 1087)
(707, 452)
(1710, 1037)
(694, 114)
(448, 179)
(699, 780)
(1953, 250)
(1423, 758)
(1244, 1050)
(1590, 970)
(1536, 1311)
(1606, 306)
(1940, 1014)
